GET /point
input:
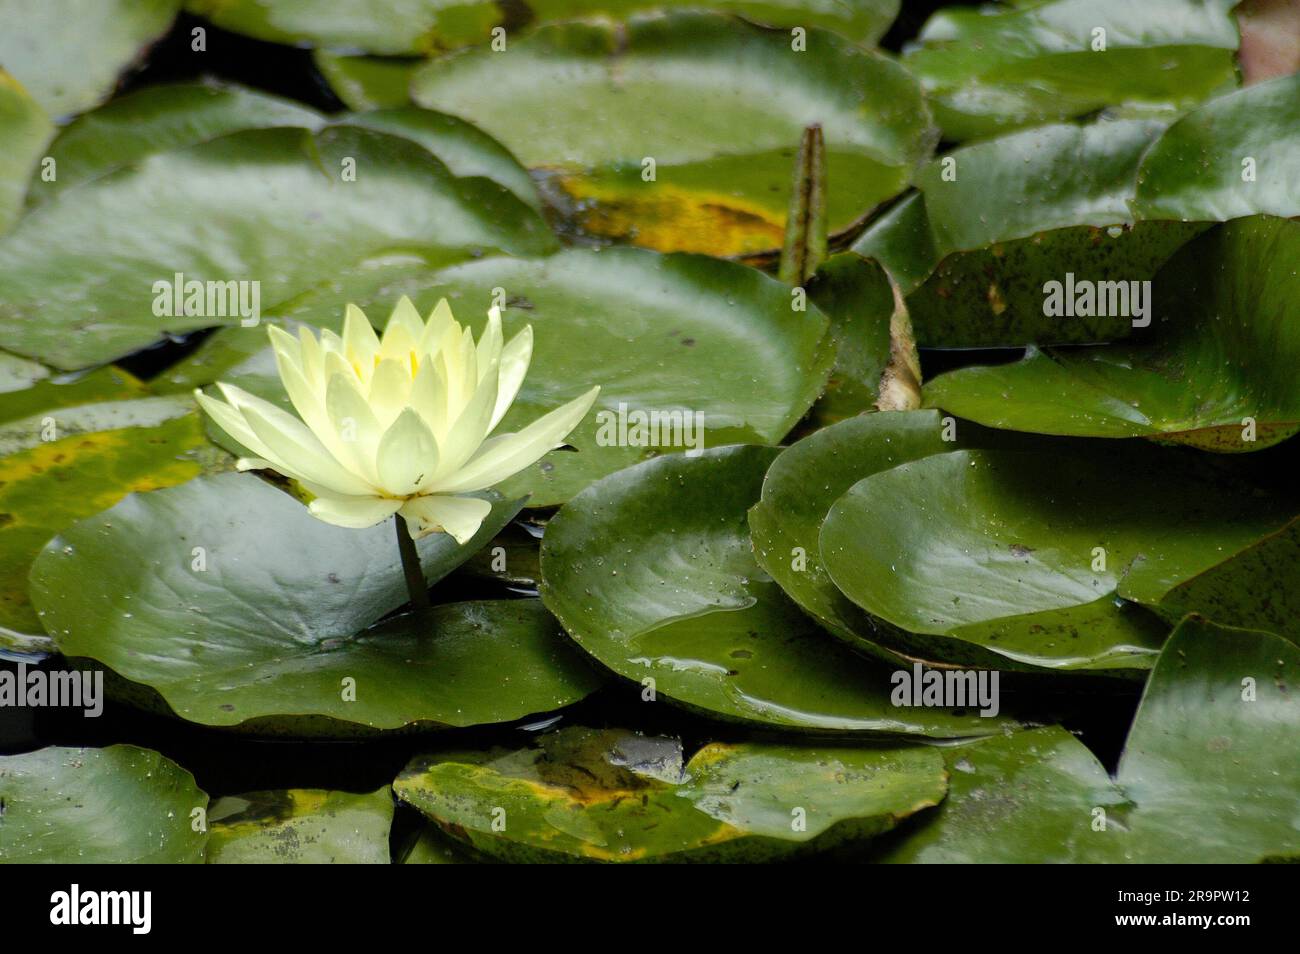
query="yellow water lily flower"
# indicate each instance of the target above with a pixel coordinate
(398, 424)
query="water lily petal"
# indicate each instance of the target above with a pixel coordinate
(503, 456)
(313, 358)
(355, 424)
(356, 513)
(330, 341)
(360, 344)
(285, 345)
(335, 363)
(390, 390)
(468, 366)
(253, 463)
(232, 422)
(459, 516)
(515, 358)
(403, 332)
(467, 432)
(307, 400)
(440, 320)
(429, 398)
(408, 454)
(451, 367)
(489, 343)
(300, 452)
(283, 426)
(241, 400)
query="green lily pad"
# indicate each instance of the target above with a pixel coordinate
(25, 131)
(247, 207)
(1199, 169)
(803, 482)
(162, 118)
(300, 826)
(808, 477)
(993, 297)
(611, 795)
(45, 394)
(432, 846)
(422, 27)
(275, 634)
(156, 119)
(18, 374)
(1027, 797)
(71, 446)
(465, 149)
(994, 222)
(1212, 753)
(70, 60)
(367, 82)
(1017, 187)
(1215, 370)
(718, 105)
(389, 27)
(52, 484)
(989, 70)
(56, 423)
(972, 549)
(651, 570)
(1253, 588)
(663, 334)
(118, 805)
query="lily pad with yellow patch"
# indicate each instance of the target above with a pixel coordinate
(300, 826)
(611, 795)
(52, 484)
(44, 393)
(679, 131)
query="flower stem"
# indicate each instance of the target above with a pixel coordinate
(415, 585)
